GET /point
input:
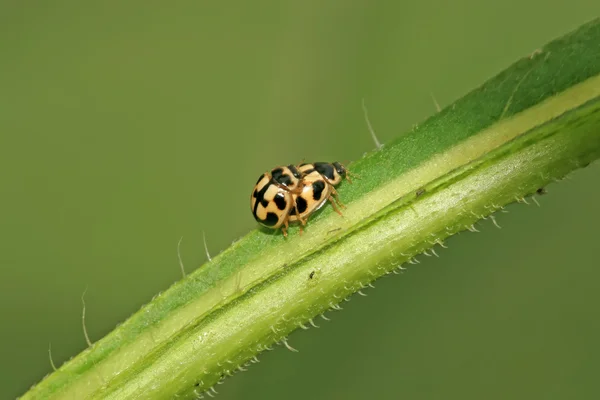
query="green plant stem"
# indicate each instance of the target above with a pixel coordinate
(531, 125)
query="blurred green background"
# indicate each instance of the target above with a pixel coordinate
(126, 125)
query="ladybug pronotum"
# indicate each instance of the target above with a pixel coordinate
(332, 172)
(290, 194)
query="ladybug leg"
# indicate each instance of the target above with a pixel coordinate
(337, 210)
(336, 197)
(348, 173)
(351, 174)
(302, 221)
(284, 228)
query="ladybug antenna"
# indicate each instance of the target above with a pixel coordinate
(348, 173)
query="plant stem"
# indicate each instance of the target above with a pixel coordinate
(531, 125)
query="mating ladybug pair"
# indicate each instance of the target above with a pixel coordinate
(290, 194)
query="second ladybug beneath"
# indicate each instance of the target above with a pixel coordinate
(318, 181)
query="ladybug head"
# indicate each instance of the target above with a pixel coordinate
(340, 169)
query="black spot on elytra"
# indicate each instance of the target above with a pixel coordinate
(260, 178)
(295, 172)
(259, 195)
(280, 201)
(271, 219)
(285, 180)
(301, 204)
(325, 169)
(281, 177)
(318, 188)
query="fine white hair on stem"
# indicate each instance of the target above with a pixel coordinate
(378, 144)
(435, 102)
(494, 221)
(286, 344)
(206, 247)
(179, 257)
(85, 332)
(50, 356)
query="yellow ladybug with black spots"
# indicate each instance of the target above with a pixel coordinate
(318, 181)
(271, 199)
(292, 194)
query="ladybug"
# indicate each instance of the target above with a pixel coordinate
(272, 198)
(318, 180)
